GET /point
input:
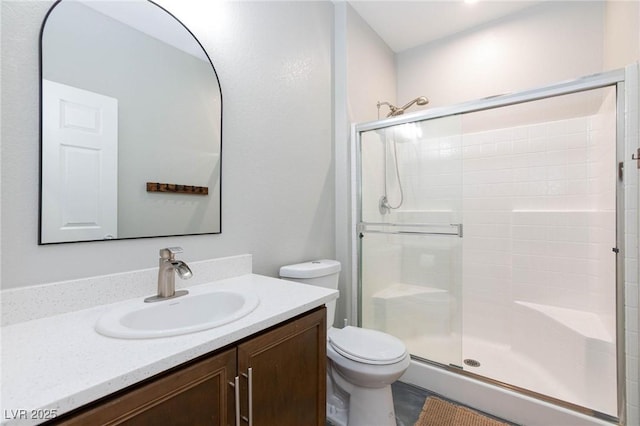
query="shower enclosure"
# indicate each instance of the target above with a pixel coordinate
(488, 239)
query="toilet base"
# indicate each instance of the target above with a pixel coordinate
(337, 416)
(369, 406)
(337, 401)
(349, 405)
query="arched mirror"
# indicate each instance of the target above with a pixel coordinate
(131, 117)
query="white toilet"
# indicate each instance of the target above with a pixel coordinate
(362, 363)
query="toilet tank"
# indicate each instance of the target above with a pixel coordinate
(321, 273)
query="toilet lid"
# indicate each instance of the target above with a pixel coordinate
(367, 346)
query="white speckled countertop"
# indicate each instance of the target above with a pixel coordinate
(60, 363)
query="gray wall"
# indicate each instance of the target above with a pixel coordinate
(274, 64)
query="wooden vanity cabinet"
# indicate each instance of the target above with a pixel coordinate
(282, 381)
(193, 395)
(286, 368)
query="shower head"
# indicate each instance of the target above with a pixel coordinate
(394, 110)
(420, 100)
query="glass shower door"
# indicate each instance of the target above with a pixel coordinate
(536, 182)
(540, 187)
(410, 229)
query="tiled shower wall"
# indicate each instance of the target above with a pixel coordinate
(539, 221)
(538, 207)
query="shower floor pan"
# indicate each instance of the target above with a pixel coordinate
(546, 356)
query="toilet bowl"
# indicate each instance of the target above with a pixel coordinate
(362, 363)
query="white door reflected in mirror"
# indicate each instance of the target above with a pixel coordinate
(80, 177)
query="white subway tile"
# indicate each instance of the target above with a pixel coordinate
(631, 341)
(631, 295)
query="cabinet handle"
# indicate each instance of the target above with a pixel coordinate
(236, 389)
(249, 376)
(250, 371)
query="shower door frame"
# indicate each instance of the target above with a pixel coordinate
(616, 79)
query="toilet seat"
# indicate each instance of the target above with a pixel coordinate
(367, 346)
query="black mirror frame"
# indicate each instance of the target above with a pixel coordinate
(40, 159)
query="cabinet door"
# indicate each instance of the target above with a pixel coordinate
(288, 374)
(195, 395)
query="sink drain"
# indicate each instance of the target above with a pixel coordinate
(471, 362)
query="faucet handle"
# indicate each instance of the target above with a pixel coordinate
(170, 252)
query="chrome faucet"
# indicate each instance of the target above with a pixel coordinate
(166, 277)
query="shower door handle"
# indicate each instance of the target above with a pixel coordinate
(636, 157)
(410, 228)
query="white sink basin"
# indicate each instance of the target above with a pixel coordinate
(186, 314)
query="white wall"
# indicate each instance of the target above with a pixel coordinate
(364, 73)
(371, 70)
(544, 44)
(621, 37)
(274, 64)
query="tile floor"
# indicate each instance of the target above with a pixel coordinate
(408, 401)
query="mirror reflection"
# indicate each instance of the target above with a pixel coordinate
(131, 116)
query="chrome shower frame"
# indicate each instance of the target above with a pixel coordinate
(615, 78)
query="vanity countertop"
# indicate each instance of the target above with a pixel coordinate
(53, 365)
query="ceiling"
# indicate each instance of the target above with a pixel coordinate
(406, 24)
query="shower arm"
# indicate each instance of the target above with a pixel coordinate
(392, 109)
